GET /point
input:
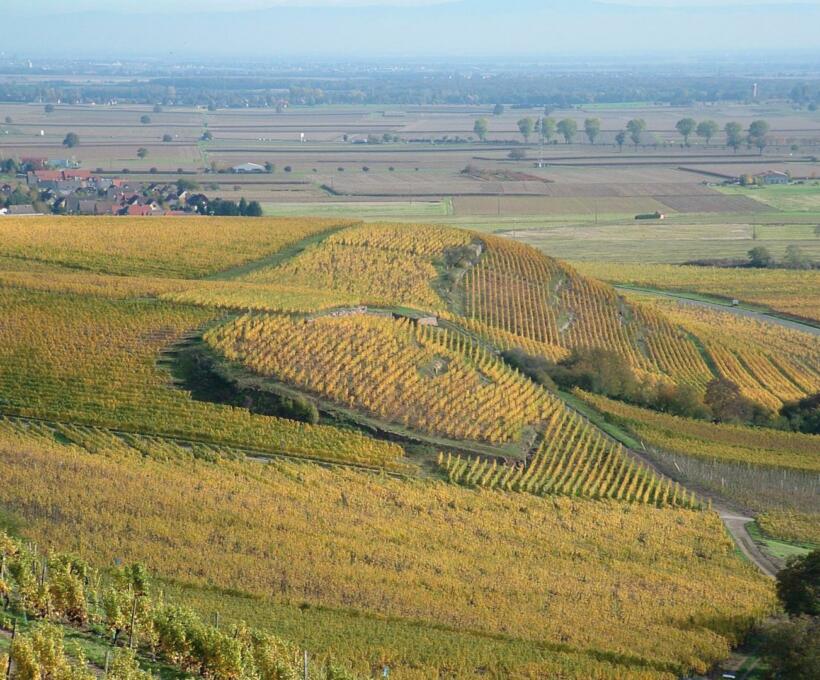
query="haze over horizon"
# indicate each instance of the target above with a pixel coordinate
(349, 29)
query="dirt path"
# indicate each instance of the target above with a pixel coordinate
(738, 311)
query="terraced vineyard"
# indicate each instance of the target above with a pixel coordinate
(420, 376)
(93, 361)
(517, 293)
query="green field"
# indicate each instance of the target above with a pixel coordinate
(789, 197)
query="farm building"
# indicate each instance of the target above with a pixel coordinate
(773, 177)
(248, 167)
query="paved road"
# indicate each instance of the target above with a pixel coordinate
(739, 311)
(735, 521)
(736, 526)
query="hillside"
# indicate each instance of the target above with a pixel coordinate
(323, 427)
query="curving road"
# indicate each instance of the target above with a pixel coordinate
(738, 311)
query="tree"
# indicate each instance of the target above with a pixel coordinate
(760, 257)
(480, 128)
(734, 135)
(567, 129)
(548, 128)
(757, 134)
(620, 139)
(142, 152)
(707, 129)
(9, 120)
(517, 154)
(636, 128)
(686, 126)
(525, 127)
(726, 403)
(145, 119)
(592, 128)
(207, 136)
(798, 585)
(791, 648)
(803, 415)
(795, 258)
(498, 109)
(71, 140)
(254, 209)
(186, 185)
(167, 138)
(269, 167)
(157, 108)
(49, 108)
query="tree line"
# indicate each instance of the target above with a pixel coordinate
(548, 129)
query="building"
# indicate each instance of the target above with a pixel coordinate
(24, 209)
(248, 167)
(773, 177)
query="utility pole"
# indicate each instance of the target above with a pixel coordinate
(133, 619)
(306, 666)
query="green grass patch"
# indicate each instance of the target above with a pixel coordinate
(776, 547)
(362, 209)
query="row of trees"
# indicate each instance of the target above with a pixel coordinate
(548, 128)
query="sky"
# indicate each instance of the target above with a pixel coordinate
(363, 29)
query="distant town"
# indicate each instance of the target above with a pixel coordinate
(60, 186)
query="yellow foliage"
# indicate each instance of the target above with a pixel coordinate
(419, 376)
(791, 291)
(755, 445)
(181, 246)
(660, 586)
(93, 360)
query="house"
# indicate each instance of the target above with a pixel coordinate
(248, 167)
(63, 163)
(773, 177)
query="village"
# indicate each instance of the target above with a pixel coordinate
(61, 187)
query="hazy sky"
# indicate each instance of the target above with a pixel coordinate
(351, 29)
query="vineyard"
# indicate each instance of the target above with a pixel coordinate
(517, 293)
(374, 265)
(577, 460)
(439, 506)
(753, 445)
(769, 363)
(789, 291)
(186, 247)
(93, 361)
(296, 533)
(420, 376)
